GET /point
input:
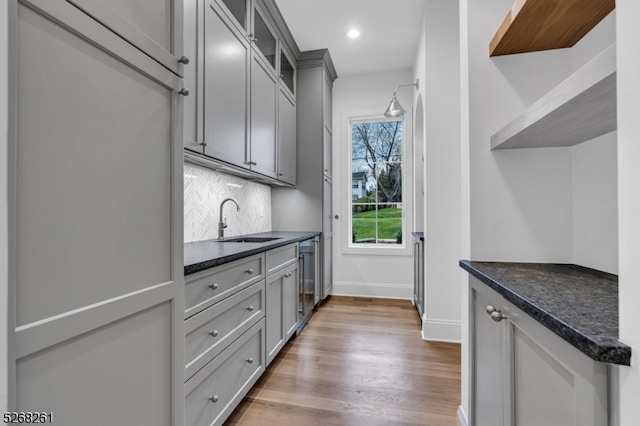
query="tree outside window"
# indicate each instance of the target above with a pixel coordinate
(376, 177)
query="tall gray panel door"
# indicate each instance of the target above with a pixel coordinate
(155, 28)
(95, 268)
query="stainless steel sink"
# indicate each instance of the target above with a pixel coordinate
(250, 239)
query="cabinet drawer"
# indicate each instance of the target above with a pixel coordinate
(208, 287)
(210, 331)
(213, 393)
(280, 257)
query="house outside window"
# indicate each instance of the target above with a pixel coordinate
(377, 176)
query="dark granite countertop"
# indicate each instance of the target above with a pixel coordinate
(419, 235)
(201, 255)
(577, 303)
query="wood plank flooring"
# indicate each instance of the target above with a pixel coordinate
(358, 362)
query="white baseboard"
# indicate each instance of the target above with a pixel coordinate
(378, 290)
(462, 417)
(435, 330)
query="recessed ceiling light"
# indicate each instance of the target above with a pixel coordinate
(353, 33)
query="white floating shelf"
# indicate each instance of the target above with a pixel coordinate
(579, 109)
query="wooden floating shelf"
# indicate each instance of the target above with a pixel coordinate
(535, 25)
(579, 109)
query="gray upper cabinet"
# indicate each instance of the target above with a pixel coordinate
(286, 137)
(287, 72)
(262, 157)
(233, 122)
(263, 37)
(155, 29)
(95, 201)
(227, 54)
(238, 10)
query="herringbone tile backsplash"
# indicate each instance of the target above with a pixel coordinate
(205, 189)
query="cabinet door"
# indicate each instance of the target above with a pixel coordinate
(96, 189)
(193, 75)
(155, 29)
(263, 37)
(326, 151)
(286, 139)
(552, 382)
(275, 333)
(327, 101)
(327, 265)
(487, 379)
(291, 291)
(226, 65)
(263, 118)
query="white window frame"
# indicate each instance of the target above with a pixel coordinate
(381, 249)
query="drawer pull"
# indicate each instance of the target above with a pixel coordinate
(213, 333)
(250, 361)
(214, 398)
(250, 309)
(249, 271)
(213, 286)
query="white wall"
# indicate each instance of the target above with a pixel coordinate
(438, 68)
(370, 275)
(628, 62)
(595, 203)
(4, 262)
(204, 190)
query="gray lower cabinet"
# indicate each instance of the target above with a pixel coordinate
(214, 392)
(95, 202)
(282, 308)
(282, 297)
(418, 275)
(523, 374)
(238, 316)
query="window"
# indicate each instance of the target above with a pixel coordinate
(377, 216)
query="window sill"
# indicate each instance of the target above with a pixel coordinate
(402, 250)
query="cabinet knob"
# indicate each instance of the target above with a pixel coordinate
(184, 59)
(288, 274)
(251, 163)
(214, 398)
(214, 286)
(337, 217)
(490, 309)
(494, 313)
(253, 38)
(497, 316)
(213, 333)
(184, 91)
(249, 271)
(250, 361)
(250, 308)
(203, 143)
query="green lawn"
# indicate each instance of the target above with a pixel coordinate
(389, 224)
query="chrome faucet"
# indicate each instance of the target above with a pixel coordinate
(223, 222)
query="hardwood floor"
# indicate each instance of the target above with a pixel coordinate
(357, 362)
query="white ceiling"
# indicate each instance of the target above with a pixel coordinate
(389, 31)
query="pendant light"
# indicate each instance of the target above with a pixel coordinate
(395, 109)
